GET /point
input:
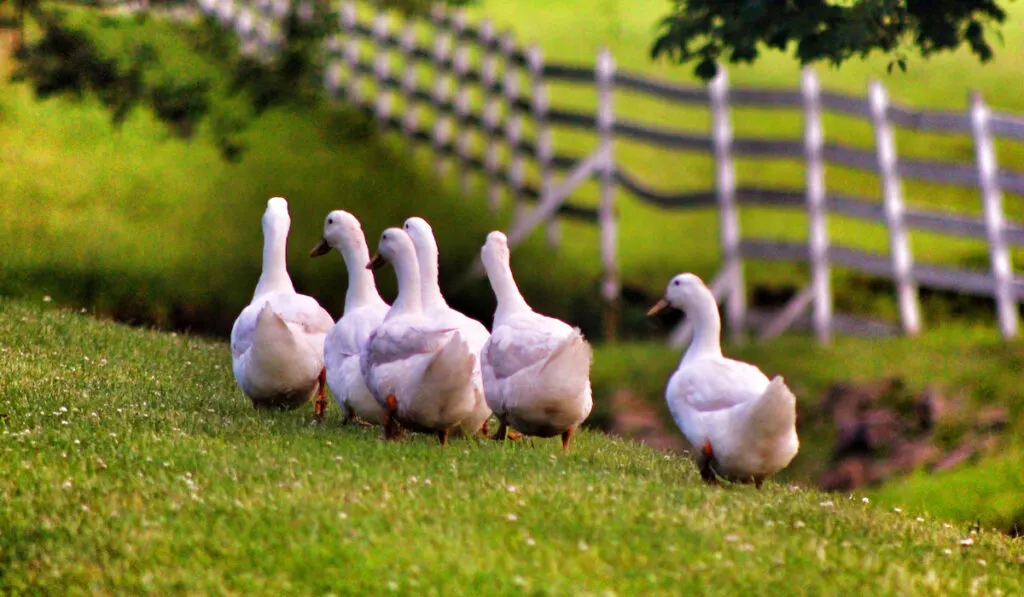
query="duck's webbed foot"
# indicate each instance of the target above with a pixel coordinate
(390, 423)
(566, 436)
(707, 456)
(320, 406)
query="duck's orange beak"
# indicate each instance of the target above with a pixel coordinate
(376, 263)
(321, 248)
(658, 307)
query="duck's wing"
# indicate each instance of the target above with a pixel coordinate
(523, 342)
(716, 384)
(303, 311)
(391, 343)
(243, 329)
(353, 330)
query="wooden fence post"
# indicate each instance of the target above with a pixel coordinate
(381, 67)
(513, 127)
(441, 90)
(892, 189)
(460, 64)
(492, 104)
(410, 120)
(725, 187)
(992, 198)
(348, 23)
(545, 148)
(605, 76)
(814, 144)
(332, 70)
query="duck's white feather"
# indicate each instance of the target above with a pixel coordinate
(536, 369)
(277, 340)
(747, 420)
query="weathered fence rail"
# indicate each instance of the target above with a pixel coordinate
(513, 83)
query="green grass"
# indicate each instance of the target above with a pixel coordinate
(970, 364)
(138, 223)
(132, 464)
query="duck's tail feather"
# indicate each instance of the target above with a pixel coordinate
(566, 372)
(774, 412)
(451, 367)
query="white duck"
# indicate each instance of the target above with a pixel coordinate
(436, 308)
(743, 424)
(419, 371)
(277, 342)
(364, 312)
(536, 368)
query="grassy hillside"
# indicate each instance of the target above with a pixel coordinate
(138, 223)
(133, 465)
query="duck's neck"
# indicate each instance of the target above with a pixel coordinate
(275, 270)
(510, 300)
(707, 329)
(409, 300)
(362, 289)
(430, 289)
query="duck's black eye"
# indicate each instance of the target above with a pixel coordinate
(329, 221)
(676, 282)
(384, 237)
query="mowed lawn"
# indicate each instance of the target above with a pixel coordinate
(133, 465)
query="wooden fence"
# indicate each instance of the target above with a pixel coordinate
(364, 52)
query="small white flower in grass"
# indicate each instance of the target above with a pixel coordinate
(982, 563)
(746, 547)
(969, 541)
(947, 551)
(511, 488)
(826, 504)
(897, 510)
(865, 500)
(413, 479)
(946, 525)
(342, 515)
(518, 580)
(392, 585)
(85, 508)
(77, 442)
(530, 541)
(732, 538)
(511, 517)
(426, 482)
(582, 545)
(339, 458)
(47, 299)
(67, 484)
(799, 524)
(919, 519)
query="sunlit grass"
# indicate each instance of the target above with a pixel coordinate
(132, 464)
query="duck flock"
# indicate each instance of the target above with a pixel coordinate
(422, 366)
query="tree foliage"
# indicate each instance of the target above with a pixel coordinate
(710, 31)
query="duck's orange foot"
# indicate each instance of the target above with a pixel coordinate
(566, 436)
(390, 424)
(707, 455)
(320, 406)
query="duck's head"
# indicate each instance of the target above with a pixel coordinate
(420, 232)
(495, 250)
(394, 243)
(276, 219)
(341, 231)
(685, 292)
